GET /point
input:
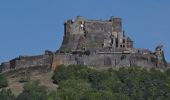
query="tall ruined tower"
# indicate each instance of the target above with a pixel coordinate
(117, 24)
(118, 35)
(160, 56)
(73, 29)
(92, 35)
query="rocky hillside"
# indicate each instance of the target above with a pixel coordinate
(78, 82)
(17, 79)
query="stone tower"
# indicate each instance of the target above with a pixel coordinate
(92, 35)
(160, 55)
(117, 24)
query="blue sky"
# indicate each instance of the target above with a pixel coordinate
(29, 27)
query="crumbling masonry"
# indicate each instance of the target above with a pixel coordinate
(98, 43)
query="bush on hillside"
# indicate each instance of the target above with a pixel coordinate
(3, 81)
(6, 95)
(33, 91)
(128, 83)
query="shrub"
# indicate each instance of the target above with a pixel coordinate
(72, 89)
(6, 95)
(3, 81)
(134, 83)
(33, 91)
(64, 72)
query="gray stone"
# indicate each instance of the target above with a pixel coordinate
(98, 43)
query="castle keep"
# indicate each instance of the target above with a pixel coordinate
(92, 35)
(97, 43)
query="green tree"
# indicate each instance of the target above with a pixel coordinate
(73, 89)
(134, 83)
(6, 95)
(104, 95)
(53, 96)
(33, 91)
(64, 72)
(3, 81)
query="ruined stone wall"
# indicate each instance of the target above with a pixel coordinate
(43, 60)
(86, 34)
(98, 26)
(97, 33)
(103, 60)
(5, 67)
(25, 62)
(60, 58)
(95, 60)
(94, 32)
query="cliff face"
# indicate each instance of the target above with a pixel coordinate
(98, 43)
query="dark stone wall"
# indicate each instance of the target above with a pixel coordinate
(26, 62)
(98, 26)
(94, 32)
(103, 39)
(104, 60)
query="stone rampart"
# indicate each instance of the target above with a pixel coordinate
(25, 62)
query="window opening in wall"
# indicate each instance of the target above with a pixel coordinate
(123, 40)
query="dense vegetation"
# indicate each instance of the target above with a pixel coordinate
(6, 94)
(81, 82)
(3, 81)
(78, 82)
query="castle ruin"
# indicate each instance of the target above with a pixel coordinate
(92, 35)
(97, 43)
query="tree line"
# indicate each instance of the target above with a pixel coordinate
(79, 82)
